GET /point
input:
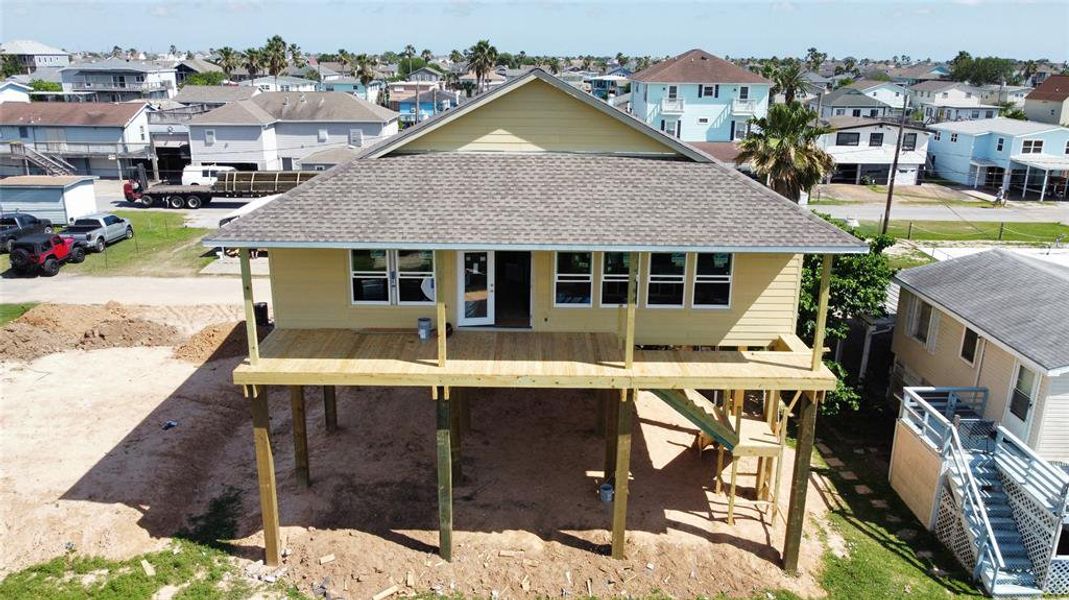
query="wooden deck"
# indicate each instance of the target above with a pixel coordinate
(516, 359)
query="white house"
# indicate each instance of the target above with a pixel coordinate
(864, 151)
(891, 94)
(1049, 103)
(13, 91)
(117, 80)
(997, 94)
(33, 55)
(848, 102)
(950, 101)
(276, 130)
(282, 83)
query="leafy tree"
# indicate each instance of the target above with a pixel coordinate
(814, 59)
(879, 76)
(1010, 111)
(229, 60)
(782, 148)
(409, 65)
(173, 50)
(481, 60)
(858, 287)
(210, 78)
(981, 71)
(40, 85)
(390, 57)
(116, 51)
(10, 66)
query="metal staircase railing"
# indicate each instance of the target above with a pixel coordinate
(52, 165)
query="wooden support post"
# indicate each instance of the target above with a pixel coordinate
(300, 435)
(601, 408)
(632, 302)
(623, 471)
(807, 424)
(265, 474)
(612, 410)
(719, 468)
(762, 472)
(439, 295)
(250, 314)
(330, 408)
(738, 396)
(455, 403)
(822, 312)
(445, 478)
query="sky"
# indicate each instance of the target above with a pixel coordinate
(862, 28)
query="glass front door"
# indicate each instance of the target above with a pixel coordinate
(477, 288)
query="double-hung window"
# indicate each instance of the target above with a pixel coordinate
(744, 93)
(712, 281)
(875, 139)
(1024, 389)
(573, 281)
(614, 271)
(1000, 143)
(970, 341)
(666, 279)
(909, 142)
(847, 138)
(401, 277)
(923, 324)
(1032, 147)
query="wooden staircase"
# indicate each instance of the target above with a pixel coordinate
(51, 165)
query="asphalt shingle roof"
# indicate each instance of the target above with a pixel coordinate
(75, 114)
(697, 66)
(848, 97)
(269, 107)
(1020, 301)
(214, 94)
(537, 200)
(1056, 87)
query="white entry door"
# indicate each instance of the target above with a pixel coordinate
(1022, 396)
(476, 288)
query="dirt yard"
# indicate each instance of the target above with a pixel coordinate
(85, 460)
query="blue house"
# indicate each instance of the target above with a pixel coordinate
(431, 102)
(698, 97)
(372, 92)
(1023, 158)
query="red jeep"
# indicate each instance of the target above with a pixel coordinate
(45, 253)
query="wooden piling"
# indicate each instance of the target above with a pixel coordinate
(807, 423)
(265, 473)
(330, 408)
(300, 435)
(623, 470)
(445, 477)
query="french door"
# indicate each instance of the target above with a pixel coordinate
(476, 289)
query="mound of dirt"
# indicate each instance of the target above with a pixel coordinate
(72, 319)
(22, 341)
(129, 333)
(218, 340)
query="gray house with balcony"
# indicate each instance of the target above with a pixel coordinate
(117, 80)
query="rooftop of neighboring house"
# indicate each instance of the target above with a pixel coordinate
(995, 87)
(1017, 300)
(281, 80)
(11, 83)
(672, 199)
(356, 80)
(1000, 125)
(867, 84)
(200, 65)
(44, 181)
(723, 151)
(119, 64)
(917, 71)
(847, 122)
(331, 156)
(697, 66)
(427, 70)
(31, 47)
(214, 94)
(73, 114)
(437, 94)
(489, 76)
(939, 86)
(272, 107)
(50, 74)
(814, 77)
(848, 97)
(1055, 87)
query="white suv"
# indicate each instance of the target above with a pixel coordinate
(203, 174)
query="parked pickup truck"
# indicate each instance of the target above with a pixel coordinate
(99, 230)
(15, 225)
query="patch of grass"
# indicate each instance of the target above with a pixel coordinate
(162, 246)
(1036, 233)
(829, 201)
(10, 312)
(906, 260)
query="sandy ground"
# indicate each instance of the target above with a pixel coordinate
(157, 291)
(87, 462)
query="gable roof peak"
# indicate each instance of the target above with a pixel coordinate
(697, 66)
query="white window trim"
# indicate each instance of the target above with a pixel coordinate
(961, 345)
(323, 135)
(933, 325)
(209, 133)
(1037, 383)
(602, 278)
(729, 279)
(577, 277)
(682, 279)
(398, 275)
(377, 274)
(393, 277)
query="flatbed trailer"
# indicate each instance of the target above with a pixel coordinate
(233, 184)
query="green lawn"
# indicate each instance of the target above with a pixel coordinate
(161, 246)
(1036, 233)
(10, 312)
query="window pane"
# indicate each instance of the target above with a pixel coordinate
(924, 317)
(369, 260)
(712, 294)
(421, 261)
(968, 345)
(617, 263)
(668, 263)
(415, 289)
(577, 263)
(665, 294)
(370, 289)
(614, 292)
(573, 292)
(1026, 381)
(714, 264)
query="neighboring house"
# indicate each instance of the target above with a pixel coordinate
(1021, 157)
(892, 94)
(59, 199)
(326, 159)
(275, 130)
(73, 138)
(864, 151)
(13, 91)
(998, 94)
(430, 103)
(604, 86)
(191, 66)
(214, 96)
(983, 433)
(817, 81)
(848, 102)
(495, 214)
(490, 81)
(698, 97)
(372, 92)
(282, 83)
(33, 55)
(915, 74)
(402, 88)
(117, 80)
(425, 74)
(939, 101)
(169, 126)
(1049, 103)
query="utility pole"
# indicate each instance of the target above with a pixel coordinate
(894, 166)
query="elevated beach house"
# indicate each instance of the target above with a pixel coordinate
(682, 276)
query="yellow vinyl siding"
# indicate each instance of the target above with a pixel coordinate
(536, 118)
(311, 289)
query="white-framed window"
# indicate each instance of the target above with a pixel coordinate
(666, 280)
(909, 142)
(573, 279)
(209, 137)
(923, 323)
(712, 281)
(970, 341)
(399, 277)
(673, 92)
(356, 137)
(744, 92)
(614, 271)
(937, 135)
(1024, 390)
(847, 138)
(741, 129)
(976, 114)
(839, 112)
(999, 144)
(954, 138)
(322, 135)
(1032, 147)
(709, 91)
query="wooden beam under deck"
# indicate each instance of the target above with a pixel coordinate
(517, 359)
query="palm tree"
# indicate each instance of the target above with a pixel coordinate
(229, 60)
(455, 56)
(275, 58)
(408, 53)
(783, 149)
(481, 60)
(788, 80)
(365, 68)
(297, 58)
(346, 60)
(426, 55)
(554, 65)
(252, 60)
